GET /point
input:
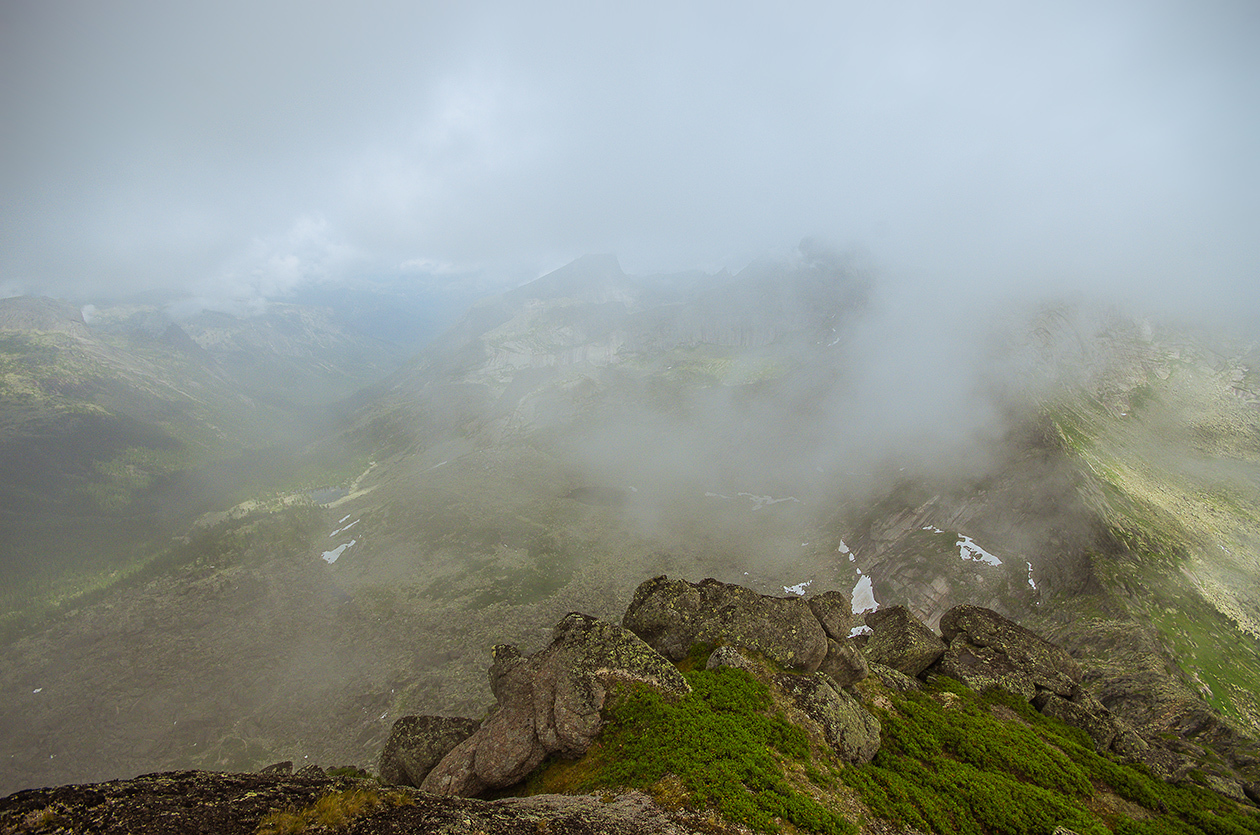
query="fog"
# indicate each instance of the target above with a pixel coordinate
(238, 152)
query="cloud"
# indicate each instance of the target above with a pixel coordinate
(1106, 147)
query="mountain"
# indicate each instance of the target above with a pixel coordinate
(762, 722)
(572, 436)
(116, 434)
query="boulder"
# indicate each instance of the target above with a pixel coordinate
(895, 679)
(1085, 713)
(285, 767)
(731, 657)
(900, 640)
(838, 719)
(834, 610)
(673, 616)
(845, 663)
(549, 703)
(987, 650)
(417, 743)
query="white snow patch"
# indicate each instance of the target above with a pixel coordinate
(330, 557)
(844, 549)
(798, 589)
(38, 690)
(932, 528)
(440, 464)
(864, 597)
(860, 630)
(343, 519)
(969, 550)
(708, 495)
(633, 489)
(346, 528)
(1030, 577)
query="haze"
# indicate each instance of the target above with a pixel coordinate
(238, 151)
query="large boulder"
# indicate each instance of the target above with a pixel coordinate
(417, 743)
(845, 663)
(987, 650)
(549, 703)
(834, 610)
(1084, 712)
(822, 706)
(672, 616)
(900, 640)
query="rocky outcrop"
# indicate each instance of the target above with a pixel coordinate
(834, 610)
(900, 640)
(672, 616)
(987, 650)
(822, 706)
(417, 743)
(845, 663)
(549, 703)
(177, 803)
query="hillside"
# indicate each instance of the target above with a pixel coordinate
(575, 435)
(774, 715)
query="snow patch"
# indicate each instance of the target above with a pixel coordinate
(798, 589)
(864, 596)
(860, 630)
(38, 690)
(1030, 577)
(765, 501)
(844, 549)
(343, 519)
(969, 550)
(330, 557)
(346, 528)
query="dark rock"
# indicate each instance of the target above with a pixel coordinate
(834, 610)
(845, 663)
(311, 770)
(987, 650)
(417, 743)
(895, 679)
(285, 767)
(900, 640)
(731, 657)
(549, 703)
(178, 803)
(1097, 724)
(838, 719)
(672, 616)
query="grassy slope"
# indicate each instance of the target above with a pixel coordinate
(1171, 463)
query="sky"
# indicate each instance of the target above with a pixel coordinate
(247, 149)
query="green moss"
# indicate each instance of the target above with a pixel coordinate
(720, 747)
(949, 765)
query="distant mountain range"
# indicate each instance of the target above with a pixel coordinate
(558, 444)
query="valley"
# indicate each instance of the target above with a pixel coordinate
(554, 447)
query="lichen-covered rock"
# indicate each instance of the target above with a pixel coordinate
(895, 679)
(845, 663)
(178, 803)
(285, 767)
(986, 650)
(671, 616)
(834, 610)
(840, 720)
(1097, 723)
(417, 743)
(731, 657)
(549, 703)
(900, 640)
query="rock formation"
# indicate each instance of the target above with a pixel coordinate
(549, 703)
(672, 616)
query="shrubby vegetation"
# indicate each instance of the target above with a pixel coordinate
(949, 765)
(953, 762)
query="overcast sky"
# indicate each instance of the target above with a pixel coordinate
(252, 146)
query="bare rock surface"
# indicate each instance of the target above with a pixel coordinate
(900, 640)
(987, 650)
(671, 616)
(845, 663)
(417, 743)
(192, 802)
(549, 703)
(825, 708)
